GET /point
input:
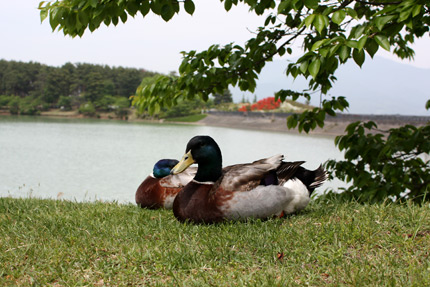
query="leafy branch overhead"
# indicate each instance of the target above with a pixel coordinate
(74, 17)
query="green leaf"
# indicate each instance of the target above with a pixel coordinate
(333, 50)
(405, 15)
(327, 11)
(156, 7)
(314, 67)
(344, 53)
(383, 42)
(381, 21)
(115, 20)
(94, 3)
(123, 17)
(282, 6)
(291, 122)
(166, 12)
(304, 67)
(308, 21)
(358, 56)
(352, 44)
(362, 42)
(189, 6)
(227, 5)
(351, 12)
(371, 47)
(43, 15)
(338, 16)
(358, 31)
(428, 105)
(416, 10)
(311, 4)
(318, 44)
(144, 8)
(281, 51)
(319, 22)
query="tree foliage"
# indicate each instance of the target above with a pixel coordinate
(32, 87)
(332, 32)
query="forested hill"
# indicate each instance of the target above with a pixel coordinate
(70, 84)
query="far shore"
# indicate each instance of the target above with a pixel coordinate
(274, 124)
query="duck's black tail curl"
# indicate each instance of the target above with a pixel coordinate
(311, 178)
(320, 176)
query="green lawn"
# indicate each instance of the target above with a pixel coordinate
(63, 243)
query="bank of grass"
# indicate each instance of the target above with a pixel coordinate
(187, 119)
(63, 243)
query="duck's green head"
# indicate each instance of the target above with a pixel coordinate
(163, 167)
(204, 151)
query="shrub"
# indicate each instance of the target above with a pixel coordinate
(29, 106)
(262, 105)
(394, 165)
(14, 105)
(105, 103)
(4, 100)
(87, 109)
(121, 106)
(65, 103)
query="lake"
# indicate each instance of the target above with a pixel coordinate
(86, 160)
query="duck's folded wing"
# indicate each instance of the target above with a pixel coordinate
(244, 177)
(287, 170)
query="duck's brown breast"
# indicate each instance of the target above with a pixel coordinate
(196, 204)
(149, 194)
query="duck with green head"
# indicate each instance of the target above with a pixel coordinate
(160, 188)
(265, 188)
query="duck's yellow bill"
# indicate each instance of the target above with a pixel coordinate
(185, 162)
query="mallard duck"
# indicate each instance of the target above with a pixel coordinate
(159, 189)
(262, 189)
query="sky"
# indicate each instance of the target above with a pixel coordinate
(148, 43)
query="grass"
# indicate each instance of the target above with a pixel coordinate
(187, 119)
(63, 243)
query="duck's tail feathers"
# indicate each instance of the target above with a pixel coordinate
(320, 176)
(310, 178)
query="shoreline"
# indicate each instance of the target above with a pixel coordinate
(332, 127)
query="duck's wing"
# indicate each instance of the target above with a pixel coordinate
(288, 170)
(244, 177)
(179, 180)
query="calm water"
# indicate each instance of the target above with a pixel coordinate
(88, 160)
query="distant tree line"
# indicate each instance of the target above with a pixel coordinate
(28, 88)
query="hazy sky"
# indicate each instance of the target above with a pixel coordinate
(148, 43)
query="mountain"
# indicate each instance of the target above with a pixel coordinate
(381, 86)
